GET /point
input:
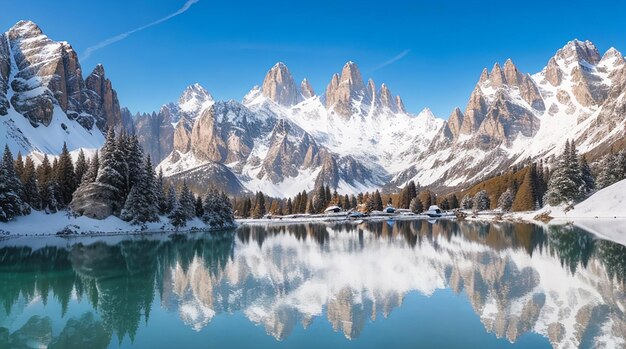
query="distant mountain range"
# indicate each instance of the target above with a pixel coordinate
(283, 138)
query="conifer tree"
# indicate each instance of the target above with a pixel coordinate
(11, 192)
(113, 169)
(566, 183)
(505, 201)
(92, 172)
(353, 202)
(259, 206)
(19, 167)
(218, 211)
(48, 189)
(467, 202)
(609, 170)
(327, 196)
(141, 203)
(81, 167)
(247, 208)
(65, 176)
(31, 187)
(304, 202)
(187, 202)
(378, 201)
(177, 215)
(289, 207)
(587, 177)
(160, 193)
(199, 207)
(481, 201)
(171, 199)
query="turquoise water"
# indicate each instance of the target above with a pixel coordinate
(379, 284)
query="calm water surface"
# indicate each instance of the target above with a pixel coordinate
(380, 284)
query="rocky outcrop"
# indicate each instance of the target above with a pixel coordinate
(279, 86)
(553, 72)
(475, 112)
(455, 121)
(49, 74)
(342, 91)
(386, 100)
(94, 201)
(5, 69)
(306, 89)
(290, 150)
(504, 121)
(101, 100)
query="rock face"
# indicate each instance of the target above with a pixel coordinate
(92, 200)
(306, 89)
(342, 91)
(455, 121)
(44, 79)
(279, 86)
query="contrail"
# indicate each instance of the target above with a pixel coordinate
(116, 38)
(391, 61)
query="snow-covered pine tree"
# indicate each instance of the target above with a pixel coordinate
(609, 171)
(319, 200)
(112, 171)
(133, 156)
(481, 201)
(11, 191)
(187, 201)
(81, 167)
(199, 206)
(160, 193)
(247, 208)
(467, 202)
(566, 181)
(141, 203)
(31, 187)
(505, 201)
(171, 199)
(587, 176)
(178, 216)
(92, 171)
(416, 205)
(218, 210)
(65, 176)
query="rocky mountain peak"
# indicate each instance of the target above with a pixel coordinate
(553, 74)
(386, 100)
(306, 89)
(511, 74)
(25, 29)
(578, 51)
(342, 91)
(400, 105)
(455, 121)
(612, 56)
(193, 98)
(484, 76)
(496, 76)
(279, 85)
(371, 89)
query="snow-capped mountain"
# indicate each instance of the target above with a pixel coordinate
(283, 139)
(511, 117)
(44, 100)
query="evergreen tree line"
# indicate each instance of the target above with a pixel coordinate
(121, 174)
(48, 186)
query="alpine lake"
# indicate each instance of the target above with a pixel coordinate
(385, 284)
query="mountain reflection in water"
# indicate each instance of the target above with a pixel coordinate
(563, 284)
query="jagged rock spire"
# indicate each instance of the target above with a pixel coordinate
(279, 85)
(341, 91)
(306, 89)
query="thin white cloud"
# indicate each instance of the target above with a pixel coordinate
(398, 57)
(119, 37)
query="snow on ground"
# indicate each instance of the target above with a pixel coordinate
(40, 223)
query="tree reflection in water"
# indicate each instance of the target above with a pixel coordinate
(562, 283)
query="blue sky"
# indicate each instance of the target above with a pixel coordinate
(228, 46)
